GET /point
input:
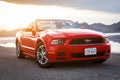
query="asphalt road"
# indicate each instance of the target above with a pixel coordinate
(12, 68)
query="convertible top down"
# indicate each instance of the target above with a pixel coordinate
(50, 41)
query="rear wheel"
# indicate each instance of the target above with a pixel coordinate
(41, 56)
(19, 53)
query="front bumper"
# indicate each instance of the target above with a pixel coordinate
(76, 53)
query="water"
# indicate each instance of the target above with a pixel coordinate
(112, 34)
(7, 41)
(7, 38)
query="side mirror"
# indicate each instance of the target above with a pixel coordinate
(33, 33)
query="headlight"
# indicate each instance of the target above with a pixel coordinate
(58, 42)
(106, 39)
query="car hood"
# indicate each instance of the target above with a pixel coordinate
(73, 33)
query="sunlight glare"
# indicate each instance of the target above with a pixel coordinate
(13, 16)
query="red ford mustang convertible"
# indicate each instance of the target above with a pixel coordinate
(51, 41)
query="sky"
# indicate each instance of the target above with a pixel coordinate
(19, 13)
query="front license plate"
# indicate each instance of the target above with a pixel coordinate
(90, 51)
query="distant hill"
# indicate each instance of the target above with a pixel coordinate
(96, 26)
(102, 27)
(5, 33)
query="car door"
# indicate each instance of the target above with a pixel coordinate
(28, 40)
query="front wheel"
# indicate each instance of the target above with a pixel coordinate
(41, 56)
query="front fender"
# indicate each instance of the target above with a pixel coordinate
(46, 40)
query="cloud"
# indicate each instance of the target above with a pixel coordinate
(111, 6)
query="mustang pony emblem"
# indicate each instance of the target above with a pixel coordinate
(87, 40)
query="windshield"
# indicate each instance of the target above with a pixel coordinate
(56, 24)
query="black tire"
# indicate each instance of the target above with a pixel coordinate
(19, 53)
(99, 61)
(41, 56)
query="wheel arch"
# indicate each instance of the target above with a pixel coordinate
(17, 40)
(41, 41)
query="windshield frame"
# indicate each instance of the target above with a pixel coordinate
(68, 24)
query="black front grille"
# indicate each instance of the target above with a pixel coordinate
(81, 55)
(83, 41)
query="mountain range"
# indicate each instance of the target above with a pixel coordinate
(6, 33)
(113, 28)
